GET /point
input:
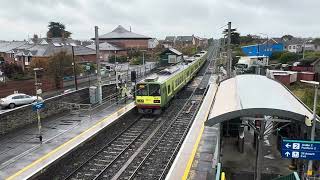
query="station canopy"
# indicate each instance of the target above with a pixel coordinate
(255, 95)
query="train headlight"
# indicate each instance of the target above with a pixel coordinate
(156, 101)
(140, 100)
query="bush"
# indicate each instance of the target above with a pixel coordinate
(12, 70)
(119, 59)
(306, 94)
(289, 57)
(276, 55)
(136, 61)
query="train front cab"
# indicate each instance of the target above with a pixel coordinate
(148, 98)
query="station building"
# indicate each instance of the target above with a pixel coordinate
(125, 39)
(170, 56)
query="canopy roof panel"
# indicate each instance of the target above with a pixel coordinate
(251, 95)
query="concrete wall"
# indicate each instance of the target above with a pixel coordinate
(22, 116)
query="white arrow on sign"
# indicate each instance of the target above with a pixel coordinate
(287, 154)
(288, 145)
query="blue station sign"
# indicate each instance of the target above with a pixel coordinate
(36, 106)
(296, 149)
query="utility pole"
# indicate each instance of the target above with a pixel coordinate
(74, 70)
(98, 65)
(229, 58)
(143, 63)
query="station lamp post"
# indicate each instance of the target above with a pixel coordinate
(313, 130)
(143, 63)
(38, 92)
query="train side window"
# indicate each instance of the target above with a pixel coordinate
(142, 90)
(169, 89)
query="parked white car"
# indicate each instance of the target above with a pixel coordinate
(18, 99)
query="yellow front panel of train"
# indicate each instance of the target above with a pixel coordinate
(154, 100)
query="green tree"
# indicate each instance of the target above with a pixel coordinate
(316, 41)
(276, 55)
(60, 65)
(12, 70)
(289, 57)
(235, 38)
(119, 59)
(248, 39)
(57, 29)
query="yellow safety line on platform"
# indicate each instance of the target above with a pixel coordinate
(194, 150)
(63, 145)
(193, 153)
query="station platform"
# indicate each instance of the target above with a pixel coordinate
(199, 151)
(22, 155)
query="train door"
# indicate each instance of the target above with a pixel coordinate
(164, 95)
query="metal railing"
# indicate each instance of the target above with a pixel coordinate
(218, 171)
(293, 176)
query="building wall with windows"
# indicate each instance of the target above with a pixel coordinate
(262, 49)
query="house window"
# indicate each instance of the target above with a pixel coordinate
(289, 47)
(293, 47)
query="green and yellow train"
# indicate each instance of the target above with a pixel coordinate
(154, 92)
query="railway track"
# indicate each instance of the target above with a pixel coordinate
(144, 149)
(155, 161)
(115, 152)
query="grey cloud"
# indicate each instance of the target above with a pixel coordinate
(158, 18)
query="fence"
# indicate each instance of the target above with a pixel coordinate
(293, 176)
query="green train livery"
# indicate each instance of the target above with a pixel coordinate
(154, 92)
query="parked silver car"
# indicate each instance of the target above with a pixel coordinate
(17, 99)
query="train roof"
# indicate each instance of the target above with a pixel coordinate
(169, 72)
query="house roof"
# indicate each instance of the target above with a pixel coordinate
(10, 45)
(294, 41)
(169, 38)
(176, 52)
(185, 38)
(82, 50)
(122, 33)
(105, 47)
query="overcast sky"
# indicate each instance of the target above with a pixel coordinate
(158, 18)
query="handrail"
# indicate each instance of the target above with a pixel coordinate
(218, 171)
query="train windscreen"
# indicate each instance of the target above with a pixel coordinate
(154, 90)
(142, 90)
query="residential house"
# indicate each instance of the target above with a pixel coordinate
(295, 45)
(23, 52)
(153, 43)
(169, 41)
(311, 46)
(106, 50)
(185, 40)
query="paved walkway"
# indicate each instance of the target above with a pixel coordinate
(22, 147)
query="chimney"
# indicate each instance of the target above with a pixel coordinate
(130, 28)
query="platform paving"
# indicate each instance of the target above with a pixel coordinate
(22, 147)
(206, 158)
